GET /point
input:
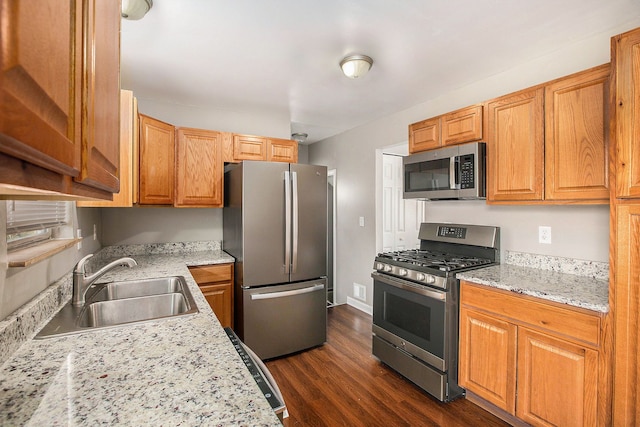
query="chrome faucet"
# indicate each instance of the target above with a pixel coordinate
(81, 281)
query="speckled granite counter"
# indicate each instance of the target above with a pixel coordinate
(548, 280)
(178, 371)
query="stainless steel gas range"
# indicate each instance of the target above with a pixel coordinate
(415, 303)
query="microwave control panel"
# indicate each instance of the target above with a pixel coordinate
(467, 171)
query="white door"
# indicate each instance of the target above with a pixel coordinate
(400, 218)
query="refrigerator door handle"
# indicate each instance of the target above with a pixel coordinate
(287, 222)
(294, 262)
(283, 294)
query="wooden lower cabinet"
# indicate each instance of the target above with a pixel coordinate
(216, 284)
(488, 358)
(557, 381)
(518, 355)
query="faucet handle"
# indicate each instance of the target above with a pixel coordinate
(80, 265)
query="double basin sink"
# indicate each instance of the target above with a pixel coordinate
(121, 303)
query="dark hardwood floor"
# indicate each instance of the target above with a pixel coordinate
(342, 384)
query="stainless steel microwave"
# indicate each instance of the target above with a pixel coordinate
(455, 172)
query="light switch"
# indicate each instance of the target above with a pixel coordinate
(361, 221)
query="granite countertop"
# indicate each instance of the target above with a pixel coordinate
(573, 289)
(176, 371)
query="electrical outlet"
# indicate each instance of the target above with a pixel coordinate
(359, 291)
(95, 232)
(544, 234)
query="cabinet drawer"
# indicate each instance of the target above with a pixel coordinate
(572, 323)
(212, 273)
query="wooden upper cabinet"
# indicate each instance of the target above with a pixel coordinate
(424, 135)
(576, 140)
(456, 127)
(101, 96)
(515, 146)
(199, 171)
(237, 147)
(626, 59)
(59, 97)
(249, 147)
(157, 162)
(282, 150)
(40, 83)
(128, 194)
(462, 126)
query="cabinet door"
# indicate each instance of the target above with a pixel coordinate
(101, 95)
(248, 147)
(216, 284)
(157, 162)
(626, 62)
(219, 299)
(487, 364)
(576, 160)
(515, 147)
(282, 150)
(199, 172)
(40, 86)
(461, 126)
(557, 381)
(424, 135)
(128, 194)
(627, 318)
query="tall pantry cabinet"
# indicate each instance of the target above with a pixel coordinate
(624, 291)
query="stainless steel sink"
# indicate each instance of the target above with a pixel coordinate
(134, 288)
(122, 303)
(116, 312)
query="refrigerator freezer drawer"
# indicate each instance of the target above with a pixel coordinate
(283, 319)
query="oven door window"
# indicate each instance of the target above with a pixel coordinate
(415, 318)
(429, 175)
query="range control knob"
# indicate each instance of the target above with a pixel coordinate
(387, 268)
(379, 266)
(427, 278)
(403, 272)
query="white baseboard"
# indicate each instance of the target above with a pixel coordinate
(360, 305)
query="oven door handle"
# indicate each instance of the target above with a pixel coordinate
(408, 286)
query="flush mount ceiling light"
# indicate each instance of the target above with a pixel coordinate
(299, 137)
(135, 9)
(354, 66)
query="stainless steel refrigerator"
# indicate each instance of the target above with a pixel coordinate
(275, 225)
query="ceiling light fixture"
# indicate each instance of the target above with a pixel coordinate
(299, 137)
(135, 9)
(354, 66)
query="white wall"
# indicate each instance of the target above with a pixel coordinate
(140, 225)
(577, 231)
(264, 123)
(19, 285)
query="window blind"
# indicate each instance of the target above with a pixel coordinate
(30, 222)
(25, 215)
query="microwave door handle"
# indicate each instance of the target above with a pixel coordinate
(453, 172)
(287, 222)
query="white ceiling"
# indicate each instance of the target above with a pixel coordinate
(283, 55)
